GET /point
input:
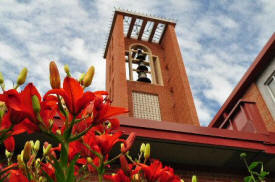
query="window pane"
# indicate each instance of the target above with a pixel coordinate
(271, 85)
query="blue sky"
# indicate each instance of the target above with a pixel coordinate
(219, 39)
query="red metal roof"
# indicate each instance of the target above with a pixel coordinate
(199, 135)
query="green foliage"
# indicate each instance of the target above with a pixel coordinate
(255, 169)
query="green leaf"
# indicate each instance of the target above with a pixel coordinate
(263, 174)
(59, 174)
(253, 165)
(70, 172)
(248, 179)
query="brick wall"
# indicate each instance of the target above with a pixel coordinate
(253, 94)
(175, 97)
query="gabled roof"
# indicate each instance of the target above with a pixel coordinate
(141, 27)
(261, 61)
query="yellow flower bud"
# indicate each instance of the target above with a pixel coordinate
(37, 145)
(20, 161)
(1, 78)
(8, 154)
(27, 152)
(36, 104)
(32, 143)
(194, 178)
(147, 151)
(89, 160)
(42, 179)
(54, 75)
(81, 77)
(58, 132)
(142, 148)
(22, 77)
(47, 150)
(67, 70)
(136, 177)
(89, 76)
(37, 163)
(181, 180)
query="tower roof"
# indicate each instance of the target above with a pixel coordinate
(141, 27)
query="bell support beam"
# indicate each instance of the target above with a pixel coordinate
(153, 31)
(131, 27)
(142, 29)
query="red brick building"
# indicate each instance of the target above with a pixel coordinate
(146, 74)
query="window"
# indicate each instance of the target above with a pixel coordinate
(270, 83)
(142, 66)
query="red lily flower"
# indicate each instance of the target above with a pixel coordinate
(102, 143)
(103, 110)
(107, 141)
(20, 109)
(17, 176)
(156, 172)
(73, 95)
(9, 143)
(49, 169)
(169, 176)
(118, 177)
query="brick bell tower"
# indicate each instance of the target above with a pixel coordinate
(145, 70)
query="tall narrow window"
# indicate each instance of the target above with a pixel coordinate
(270, 83)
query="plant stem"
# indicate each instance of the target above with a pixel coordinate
(116, 157)
(100, 177)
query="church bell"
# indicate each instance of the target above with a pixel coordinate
(142, 68)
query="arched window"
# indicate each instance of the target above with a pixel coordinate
(142, 66)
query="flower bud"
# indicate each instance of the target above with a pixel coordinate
(8, 154)
(147, 151)
(32, 143)
(89, 76)
(181, 180)
(22, 77)
(37, 163)
(81, 77)
(54, 76)
(67, 70)
(243, 155)
(136, 177)
(37, 145)
(89, 160)
(27, 151)
(121, 145)
(36, 104)
(20, 161)
(42, 179)
(142, 148)
(129, 142)
(58, 132)
(1, 78)
(194, 178)
(47, 150)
